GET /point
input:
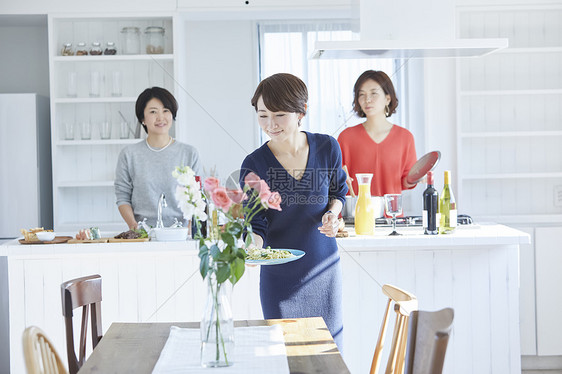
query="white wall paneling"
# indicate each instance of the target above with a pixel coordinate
(509, 155)
(509, 115)
(548, 279)
(217, 84)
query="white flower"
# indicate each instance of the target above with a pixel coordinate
(188, 194)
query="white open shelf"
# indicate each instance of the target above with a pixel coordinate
(84, 170)
(509, 124)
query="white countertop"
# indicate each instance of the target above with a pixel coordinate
(411, 238)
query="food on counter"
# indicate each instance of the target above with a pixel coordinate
(342, 232)
(30, 235)
(133, 234)
(266, 254)
(92, 233)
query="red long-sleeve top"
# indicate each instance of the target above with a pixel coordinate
(389, 161)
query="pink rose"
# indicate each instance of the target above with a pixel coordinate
(210, 184)
(264, 192)
(221, 199)
(274, 201)
(262, 187)
(236, 196)
(252, 180)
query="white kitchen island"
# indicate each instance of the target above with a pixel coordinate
(475, 271)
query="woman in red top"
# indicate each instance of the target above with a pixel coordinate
(377, 146)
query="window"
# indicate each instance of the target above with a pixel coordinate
(285, 47)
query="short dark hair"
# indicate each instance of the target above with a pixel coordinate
(162, 94)
(386, 84)
(282, 92)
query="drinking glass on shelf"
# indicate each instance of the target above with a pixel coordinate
(85, 130)
(124, 130)
(116, 88)
(68, 130)
(95, 83)
(71, 90)
(105, 129)
(393, 207)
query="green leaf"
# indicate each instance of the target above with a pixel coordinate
(249, 240)
(228, 238)
(241, 254)
(226, 254)
(237, 269)
(204, 265)
(235, 229)
(223, 272)
(203, 250)
(215, 252)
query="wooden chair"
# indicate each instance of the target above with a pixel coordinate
(427, 341)
(404, 304)
(82, 292)
(40, 355)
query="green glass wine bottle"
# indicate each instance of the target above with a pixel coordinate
(447, 207)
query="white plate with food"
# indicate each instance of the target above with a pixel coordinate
(268, 256)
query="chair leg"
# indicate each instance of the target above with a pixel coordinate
(402, 351)
(378, 349)
(393, 356)
(83, 334)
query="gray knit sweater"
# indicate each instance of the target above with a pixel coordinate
(142, 175)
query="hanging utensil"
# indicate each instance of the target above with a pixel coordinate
(348, 181)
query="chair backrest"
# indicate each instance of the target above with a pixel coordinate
(427, 341)
(40, 355)
(404, 303)
(82, 292)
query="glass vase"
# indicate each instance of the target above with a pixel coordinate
(217, 325)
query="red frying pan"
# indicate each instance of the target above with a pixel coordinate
(426, 163)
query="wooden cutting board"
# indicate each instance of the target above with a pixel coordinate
(78, 241)
(113, 240)
(56, 240)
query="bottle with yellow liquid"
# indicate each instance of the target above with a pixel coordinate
(364, 209)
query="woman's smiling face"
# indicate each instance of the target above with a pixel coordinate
(158, 120)
(277, 125)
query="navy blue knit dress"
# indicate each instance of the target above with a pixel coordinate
(312, 285)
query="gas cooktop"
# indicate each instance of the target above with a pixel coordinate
(408, 221)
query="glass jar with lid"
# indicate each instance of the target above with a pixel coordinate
(154, 40)
(67, 50)
(81, 49)
(96, 49)
(110, 49)
(131, 40)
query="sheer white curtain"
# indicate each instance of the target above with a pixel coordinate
(285, 48)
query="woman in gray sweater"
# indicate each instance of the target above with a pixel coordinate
(144, 170)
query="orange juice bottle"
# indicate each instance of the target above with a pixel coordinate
(364, 209)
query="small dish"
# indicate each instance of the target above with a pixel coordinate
(45, 235)
(278, 261)
(169, 234)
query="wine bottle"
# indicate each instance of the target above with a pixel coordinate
(430, 207)
(447, 207)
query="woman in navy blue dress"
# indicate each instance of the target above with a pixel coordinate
(305, 168)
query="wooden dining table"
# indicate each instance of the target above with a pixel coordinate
(135, 347)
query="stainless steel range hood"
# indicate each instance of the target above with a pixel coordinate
(406, 29)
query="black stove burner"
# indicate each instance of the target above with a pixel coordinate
(408, 221)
